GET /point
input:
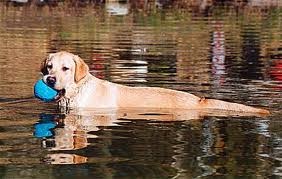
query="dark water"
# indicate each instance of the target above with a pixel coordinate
(227, 51)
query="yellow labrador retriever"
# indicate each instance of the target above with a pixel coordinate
(69, 74)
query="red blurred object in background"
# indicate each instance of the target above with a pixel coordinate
(276, 68)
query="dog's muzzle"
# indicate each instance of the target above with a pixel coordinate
(51, 81)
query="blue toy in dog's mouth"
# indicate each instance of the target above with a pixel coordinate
(44, 92)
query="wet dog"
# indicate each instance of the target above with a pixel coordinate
(69, 74)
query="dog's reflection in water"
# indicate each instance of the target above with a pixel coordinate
(68, 132)
(62, 134)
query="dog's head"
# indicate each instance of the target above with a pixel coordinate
(63, 70)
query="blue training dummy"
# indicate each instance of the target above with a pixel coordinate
(44, 92)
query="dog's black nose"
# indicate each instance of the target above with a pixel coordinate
(51, 81)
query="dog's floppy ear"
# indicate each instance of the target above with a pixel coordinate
(81, 68)
(43, 67)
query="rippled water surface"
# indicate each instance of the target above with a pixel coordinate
(229, 51)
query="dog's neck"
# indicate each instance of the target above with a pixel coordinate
(73, 91)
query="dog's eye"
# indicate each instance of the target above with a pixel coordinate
(65, 68)
(49, 66)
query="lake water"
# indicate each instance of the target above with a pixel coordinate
(229, 51)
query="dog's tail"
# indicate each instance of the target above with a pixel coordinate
(228, 106)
